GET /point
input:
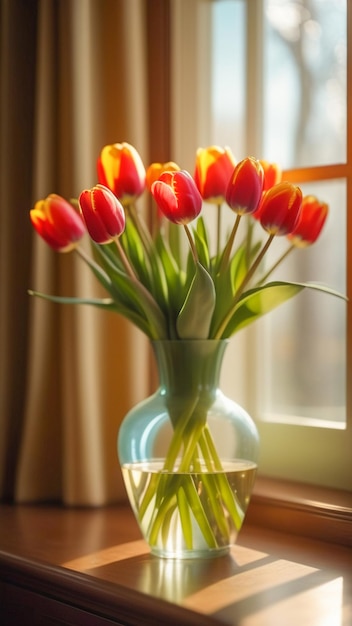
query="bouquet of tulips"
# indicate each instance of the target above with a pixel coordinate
(184, 292)
(142, 264)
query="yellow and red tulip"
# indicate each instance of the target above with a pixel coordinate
(177, 196)
(121, 169)
(213, 170)
(103, 214)
(57, 222)
(272, 174)
(245, 188)
(311, 221)
(280, 208)
(155, 170)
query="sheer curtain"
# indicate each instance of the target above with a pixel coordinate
(74, 78)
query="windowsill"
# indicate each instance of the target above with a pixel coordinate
(301, 509)
(90, 566)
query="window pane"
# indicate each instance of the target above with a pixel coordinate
(305, 82)
(228, 75)
(305, 338)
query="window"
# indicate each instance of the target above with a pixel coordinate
(269, 78)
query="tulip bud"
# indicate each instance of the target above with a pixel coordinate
(155, 170)
(280, 208)
(103, 214)
(311, 221)
(272, 174)
(245, 188)
(57, 222)
(213, 170)
(120, 168)
(177, 196)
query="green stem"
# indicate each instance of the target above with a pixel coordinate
(185, 517)
(222, 326)
(165, 527)
(99, 273)
(220, 482)
(177, 437)
(152, 309)
(161, 519)
(141, 227)
(198, 512)
(127, 265)
(191, 243)
(218, 233)
(215, 504)
(229, 245)
(161, 512)
(170, 460)
(191, 444)
(249, 237)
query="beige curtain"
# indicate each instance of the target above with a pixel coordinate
(77, 72)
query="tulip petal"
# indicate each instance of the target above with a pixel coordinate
(177, 196)
(57, 222)
(165, 198)
(103, 214)
(312, 218)
(245, 187)
(213, 170)
(280, 208)
(120, 168)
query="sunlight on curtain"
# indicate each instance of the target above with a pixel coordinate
(87, 368)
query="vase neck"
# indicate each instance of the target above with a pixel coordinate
(186, 366)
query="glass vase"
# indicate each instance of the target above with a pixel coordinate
(189, 455)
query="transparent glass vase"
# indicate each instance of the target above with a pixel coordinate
(189, 455)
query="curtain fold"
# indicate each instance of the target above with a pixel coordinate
(18, 31)
(69, 373)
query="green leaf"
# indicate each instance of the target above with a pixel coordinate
(241, 262)
(146, 264)
(136, 254)
(107, 304)
(174, 274)
(160, 284)
(261, 300)
(133, 294)
(104, 303)
(230, 278)
(194, 319)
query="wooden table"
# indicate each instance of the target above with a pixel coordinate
(90, 567)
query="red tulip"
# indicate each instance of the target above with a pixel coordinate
(155, 170)
(120, 168)
(245, 188)
(280, 208)
(177, 196)
(57, 222)
(311, 221)
(272, 174)
(103, 214)
(213, 170)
